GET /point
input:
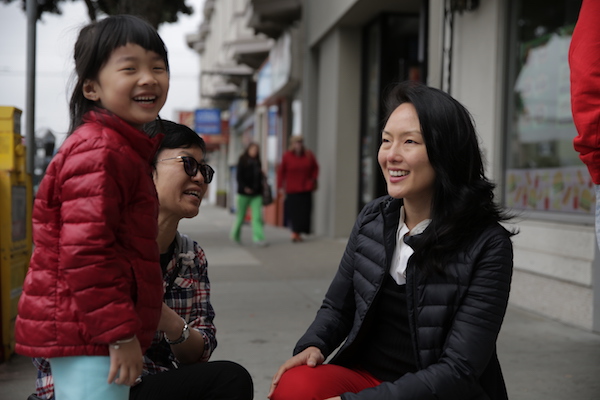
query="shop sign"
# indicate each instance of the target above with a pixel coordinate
(208, 121)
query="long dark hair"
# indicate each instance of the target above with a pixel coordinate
(463, 201)
(93, 48)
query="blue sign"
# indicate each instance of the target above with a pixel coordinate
(208, 121)
(273, 121)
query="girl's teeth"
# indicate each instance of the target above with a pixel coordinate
(145, 99)
(398, 173)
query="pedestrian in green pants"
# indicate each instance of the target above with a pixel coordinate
(249, 179)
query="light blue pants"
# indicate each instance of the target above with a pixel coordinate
(85, 377)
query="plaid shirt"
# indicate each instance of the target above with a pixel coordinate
(189, 297)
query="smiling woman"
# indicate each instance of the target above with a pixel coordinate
(419, 297)
(181, 175)
(186, 333)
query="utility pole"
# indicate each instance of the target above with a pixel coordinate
(31, 7)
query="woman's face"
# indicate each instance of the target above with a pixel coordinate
(298, 145)
(253, 151)
(179, 194)
(403, 158)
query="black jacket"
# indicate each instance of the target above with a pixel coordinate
(249, 175)
(454, 318)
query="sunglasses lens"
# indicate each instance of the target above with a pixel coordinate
(190, 166)
(207, 173)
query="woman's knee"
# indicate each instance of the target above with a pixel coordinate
(302, 383)
(235, 381)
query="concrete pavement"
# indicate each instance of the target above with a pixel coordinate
(265, 298)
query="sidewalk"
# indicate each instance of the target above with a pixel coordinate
(265, 298)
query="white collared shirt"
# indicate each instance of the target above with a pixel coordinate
(402, 252)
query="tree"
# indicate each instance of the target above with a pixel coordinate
(154, 11)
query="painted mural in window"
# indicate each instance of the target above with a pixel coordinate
(543, 172)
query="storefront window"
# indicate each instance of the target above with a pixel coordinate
(543, 172)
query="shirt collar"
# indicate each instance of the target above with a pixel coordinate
(418, 229)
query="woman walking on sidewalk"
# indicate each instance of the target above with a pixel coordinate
(297, 178)
(249, 182)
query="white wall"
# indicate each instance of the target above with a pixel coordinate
(338, 122)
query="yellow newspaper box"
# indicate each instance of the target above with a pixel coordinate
(16, 199)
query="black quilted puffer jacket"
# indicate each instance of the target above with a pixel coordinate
(454, 317)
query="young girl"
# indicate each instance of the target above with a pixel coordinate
(92, 297)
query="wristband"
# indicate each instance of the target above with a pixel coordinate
(185, 334)
(117, 345)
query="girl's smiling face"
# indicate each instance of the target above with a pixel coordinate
(403, 158)
(179, 195)
(133, 84)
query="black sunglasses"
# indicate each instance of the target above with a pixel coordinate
(191, 167)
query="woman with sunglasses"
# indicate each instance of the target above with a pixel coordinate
(175, 365)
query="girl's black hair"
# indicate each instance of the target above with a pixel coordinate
(93, 48)
(463, 201)
(245, 157)
(177, 136)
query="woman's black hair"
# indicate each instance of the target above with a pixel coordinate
(245, 157)
(177, 136)
(463, 201)
(95, 43)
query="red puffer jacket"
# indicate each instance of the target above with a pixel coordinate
(94, 276)
(584, 60)
(298, 173)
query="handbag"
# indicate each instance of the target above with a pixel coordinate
(267, 194)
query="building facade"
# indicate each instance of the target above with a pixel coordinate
(324, 66)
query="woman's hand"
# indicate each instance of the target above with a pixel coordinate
(125, 362)
(310, 356)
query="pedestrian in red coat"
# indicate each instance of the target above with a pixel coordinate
(297, 178)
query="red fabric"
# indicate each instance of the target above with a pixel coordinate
(95, 227)
(321, 382)
(584, 60)
(298, 173)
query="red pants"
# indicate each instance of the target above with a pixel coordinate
(321, 382)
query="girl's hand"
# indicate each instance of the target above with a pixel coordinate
(310, 356)
(335, 398)
(126, 362)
